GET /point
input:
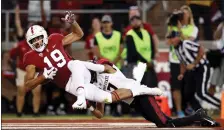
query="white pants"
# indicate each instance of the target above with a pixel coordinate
(81, 77)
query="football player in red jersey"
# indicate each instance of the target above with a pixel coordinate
(18, 52)
(48, 56)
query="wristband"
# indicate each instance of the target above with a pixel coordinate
(91, 108)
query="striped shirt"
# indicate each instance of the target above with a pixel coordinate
(187, 52)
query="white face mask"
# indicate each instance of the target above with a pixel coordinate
(38, 45)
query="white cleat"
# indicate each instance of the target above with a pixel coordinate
(156, 91)
(80, 104)
(151, 91)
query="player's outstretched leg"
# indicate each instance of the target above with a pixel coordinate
(144, 90)
(77, 86)
(199, 118)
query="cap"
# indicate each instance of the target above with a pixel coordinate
(134, 12)
(106, 18)
(173, 34)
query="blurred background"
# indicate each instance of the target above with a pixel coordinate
(18, 15)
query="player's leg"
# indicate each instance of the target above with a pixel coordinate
(77, 82)
(202, 76)
(20, 91)
(150, 110)
(176, 88)
(36, 100)
(199, 117)
(20, 99)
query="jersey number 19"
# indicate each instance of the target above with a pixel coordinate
(57, 56)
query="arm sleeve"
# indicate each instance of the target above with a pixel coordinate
(121, 41)
(94, 67)
(152, 47)
(132, 55)
(95, 42)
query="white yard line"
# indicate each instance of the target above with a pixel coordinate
(87, 126)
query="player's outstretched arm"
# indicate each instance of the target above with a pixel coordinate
(30, 81)
(98, 112)
(77, 32)
(98, 67)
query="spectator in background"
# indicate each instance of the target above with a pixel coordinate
(7, 83)
(17, 54)
(108, 42)
(108, 45)
(7, 71)
(201, 8)
(134, 11)
(188, 32)
(140, 47)
(34, 10)
(217, 78)
(90, 38)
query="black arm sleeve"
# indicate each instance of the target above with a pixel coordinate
(152, 47)
(132, 55)
(95, 42)
(121, 41)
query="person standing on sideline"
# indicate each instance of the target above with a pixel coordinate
(90, 38)
(202, 8)
(217, 78)
(188, 32)
(17, 54)
(140, 46)
(108, 45)
(193, 61)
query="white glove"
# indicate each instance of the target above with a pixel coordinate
(138, 71)
(49, 74)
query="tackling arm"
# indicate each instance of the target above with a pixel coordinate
(30, 81)
(98, 67)
(98, 111)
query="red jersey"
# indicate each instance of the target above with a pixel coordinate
(19, 52)
(90, 44)
(146, 26)
(53, 55)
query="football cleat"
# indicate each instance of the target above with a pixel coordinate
(205, 119)
(80, 103)
(151, 91)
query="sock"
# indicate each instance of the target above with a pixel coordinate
(80, 91)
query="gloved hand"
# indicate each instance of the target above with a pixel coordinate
(138, 71)
(49, 74)
(69, 17)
